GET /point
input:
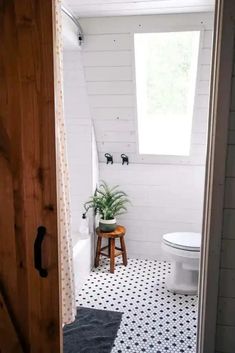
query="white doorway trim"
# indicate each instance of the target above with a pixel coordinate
(222, 67)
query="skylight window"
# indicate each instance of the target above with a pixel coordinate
(166, 71)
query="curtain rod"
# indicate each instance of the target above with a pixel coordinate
(75, 21)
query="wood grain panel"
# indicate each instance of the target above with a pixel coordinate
(9, 340)
(12, 241)
(27, 167)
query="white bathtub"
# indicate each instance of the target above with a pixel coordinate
(82, 259)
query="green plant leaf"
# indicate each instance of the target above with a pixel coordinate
(108, 201)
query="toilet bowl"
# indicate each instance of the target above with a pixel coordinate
(182, 249)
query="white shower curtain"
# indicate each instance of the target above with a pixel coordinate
(64, 215)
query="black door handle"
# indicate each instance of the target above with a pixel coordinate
(38, 252)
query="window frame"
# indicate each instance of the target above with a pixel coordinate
(172, 159)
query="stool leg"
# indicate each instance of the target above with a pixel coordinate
(109, 247)
(97, 257)
(123, 247)
(112, 255)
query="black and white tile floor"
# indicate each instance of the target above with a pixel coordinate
(154, 320)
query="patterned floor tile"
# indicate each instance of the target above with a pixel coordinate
(154, 320)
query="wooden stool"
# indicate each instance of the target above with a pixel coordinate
(119, 232)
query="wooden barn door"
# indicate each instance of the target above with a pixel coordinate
(29, 275)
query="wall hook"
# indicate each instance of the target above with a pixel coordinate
(125, 159)
(109, 158)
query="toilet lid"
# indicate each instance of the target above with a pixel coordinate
(183, 240)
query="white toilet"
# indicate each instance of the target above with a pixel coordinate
(182, 249)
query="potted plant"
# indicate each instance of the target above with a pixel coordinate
(108, 202)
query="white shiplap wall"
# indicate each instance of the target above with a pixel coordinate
(225, 338)
(81, 149)
(166, 193)
(108, 60)
(164, 198)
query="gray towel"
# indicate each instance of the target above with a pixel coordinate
(93, 331)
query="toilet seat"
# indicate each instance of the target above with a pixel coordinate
(187, 241)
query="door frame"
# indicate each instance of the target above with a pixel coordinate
(221, 77)
(220, 89)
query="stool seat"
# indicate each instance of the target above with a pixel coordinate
(119, 233)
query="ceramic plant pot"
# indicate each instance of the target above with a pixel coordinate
(107, 225)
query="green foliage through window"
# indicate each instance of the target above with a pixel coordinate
(166, 67)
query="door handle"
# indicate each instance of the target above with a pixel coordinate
(41, 231)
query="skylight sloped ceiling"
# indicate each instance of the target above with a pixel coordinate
(108, 61)
(96, 8)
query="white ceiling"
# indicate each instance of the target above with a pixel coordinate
(96, 8)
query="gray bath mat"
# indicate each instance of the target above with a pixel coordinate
(93, 331)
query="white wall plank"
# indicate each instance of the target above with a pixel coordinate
(206, 56)
(120, 147)
(160, 203)
(110, 87)
(107, 42)
(207, 40)
(204, 72)
(202, 101)
(146, 23)
(121, 100)
(116, 125)
(199, 138)
(113, 114)
(203, 87)
(108, 58)
(115, 73)
(115, 136)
